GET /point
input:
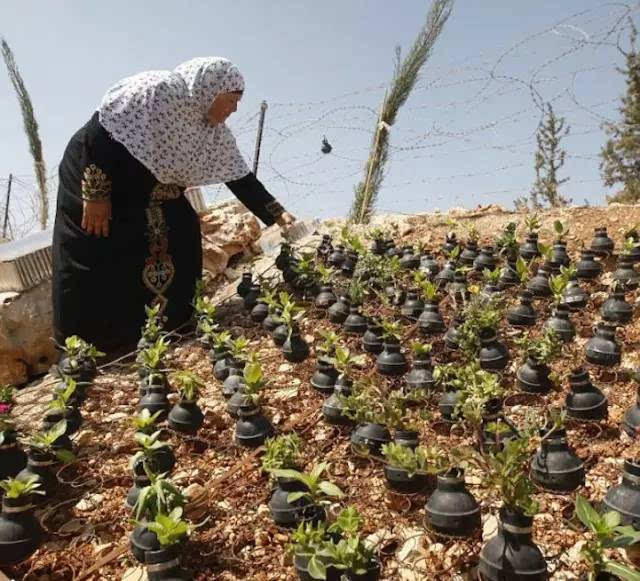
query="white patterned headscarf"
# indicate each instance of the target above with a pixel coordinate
(160, 117)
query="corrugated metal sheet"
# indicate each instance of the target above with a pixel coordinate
(26, 262)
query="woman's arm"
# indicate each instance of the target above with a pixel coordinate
(250, 191)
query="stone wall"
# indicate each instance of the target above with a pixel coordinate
(26, 346)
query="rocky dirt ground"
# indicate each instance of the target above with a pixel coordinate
(88, 524)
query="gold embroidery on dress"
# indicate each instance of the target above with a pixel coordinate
(158, 271)
(96, 184)
(162, 192)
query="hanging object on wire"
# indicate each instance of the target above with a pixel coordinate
(326, 146)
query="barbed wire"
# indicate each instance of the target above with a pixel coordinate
(482, 107)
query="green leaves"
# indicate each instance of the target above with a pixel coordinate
(419, 348)
(624, 572)
(429, 290)
(348, 521)
(522, 268)
(507, 472)
(316, 568)
(344, 361)
(152, 357)
(316, 487)
(330, 489)
(145, 421)
(239, 347)
(329, 341)
(14, 488)
(77, 348)
(188, 383)
(169, 528)
(160, 497)
(586, 513)
(560, 229)
(543, 349)
(221, 340)
(532, 222)
(607, 534)
(281, 452)
(391, 329)
(254, 381)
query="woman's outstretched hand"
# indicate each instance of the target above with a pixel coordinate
(285, 219)
(96, 216)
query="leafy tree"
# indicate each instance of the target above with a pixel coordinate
(620, 162)
(30, 128)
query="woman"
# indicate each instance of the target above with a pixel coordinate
(125, 236)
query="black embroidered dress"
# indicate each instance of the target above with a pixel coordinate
(153, 254)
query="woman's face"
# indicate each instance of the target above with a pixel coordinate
(223, 105)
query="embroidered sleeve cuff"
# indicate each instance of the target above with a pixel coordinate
(96, 184)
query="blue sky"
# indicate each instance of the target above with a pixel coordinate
(466, 136)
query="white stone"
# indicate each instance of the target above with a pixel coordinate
(90, 502)
(228, 229)
(135, 574)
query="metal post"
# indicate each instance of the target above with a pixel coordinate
(256, 157)
(6, 208)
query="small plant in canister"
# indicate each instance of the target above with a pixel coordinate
(607, 532)
(220, 353)
(479, 403)
(46, 451)
(421, 374)
(366, 407)
(325, 297)
(305, 283)
(205, 316)
(79, 359)
(306, 542)
(145, 422)
(391, 362)
(529, 249)
(430, 321)
(512, 549)
(287, 305)
(477, 336)
(325, 376)
(295, 348)
(317, 490)
(171, 530)
(534, 375)
(451, 510)
(60, 409)
(252, 427)
(153, 454)
(346, 551)
(158, 494)
(560, 321)
(152, 329)
(20, 531)
(152, 368)
(238, 349)
(406, 470)
(334, 408)
(185, 415)
(555, 465)
(491, 280)
(160, 497)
